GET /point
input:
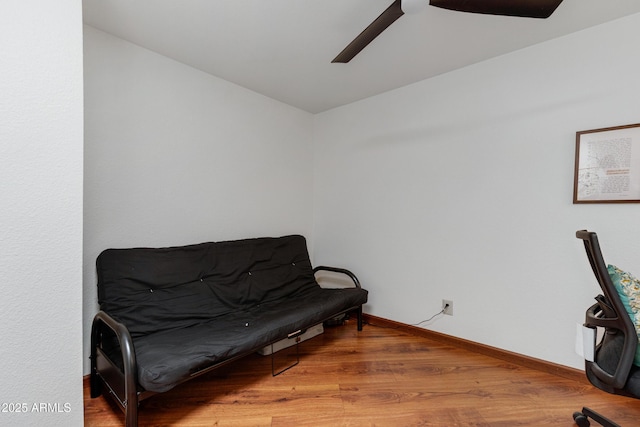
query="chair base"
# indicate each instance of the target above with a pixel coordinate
(582, 418)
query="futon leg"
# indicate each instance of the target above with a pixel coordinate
(360, 318)
(94, 381)
(131, 415)
(95, 386)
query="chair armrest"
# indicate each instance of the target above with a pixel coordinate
(619, 377)
(344, 271)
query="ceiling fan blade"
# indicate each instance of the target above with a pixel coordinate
(524, 8)
(388, 17)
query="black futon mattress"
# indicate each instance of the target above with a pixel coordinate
(191, 307)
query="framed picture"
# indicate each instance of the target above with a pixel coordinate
(607, 168)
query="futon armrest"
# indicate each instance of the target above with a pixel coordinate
(344, 271)
(125, 342)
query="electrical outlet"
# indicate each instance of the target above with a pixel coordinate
(447, 307)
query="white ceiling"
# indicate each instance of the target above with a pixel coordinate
(283, 48)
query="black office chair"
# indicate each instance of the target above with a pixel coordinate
(613, 370)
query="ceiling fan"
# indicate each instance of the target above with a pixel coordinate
(522, 8)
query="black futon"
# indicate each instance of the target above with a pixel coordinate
(169, 314)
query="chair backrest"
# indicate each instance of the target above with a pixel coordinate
(616, 351)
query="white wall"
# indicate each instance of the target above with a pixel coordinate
(457, 187)
(41, 215)
(175, 156)
(460, 187)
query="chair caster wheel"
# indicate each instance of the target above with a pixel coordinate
(581, 419)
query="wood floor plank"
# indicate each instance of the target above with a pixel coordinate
(377, 377)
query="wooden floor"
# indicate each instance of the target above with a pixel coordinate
(378, 377)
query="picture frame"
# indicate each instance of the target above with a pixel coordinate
(607, 165)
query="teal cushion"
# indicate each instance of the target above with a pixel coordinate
(628, 288)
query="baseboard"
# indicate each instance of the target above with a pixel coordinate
(508, 356)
